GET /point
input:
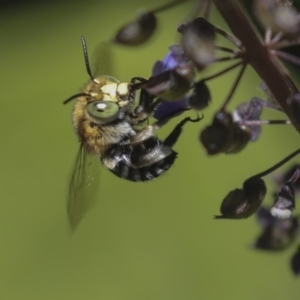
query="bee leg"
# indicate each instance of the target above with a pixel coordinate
(149, 131)
(145, 99)
(172, 138)
(149, 151)
(145, 108)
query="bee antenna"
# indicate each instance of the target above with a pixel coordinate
(74, 96)
(86, 58)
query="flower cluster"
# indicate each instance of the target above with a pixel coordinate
(175, 82)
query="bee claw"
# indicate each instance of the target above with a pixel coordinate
(197, 119)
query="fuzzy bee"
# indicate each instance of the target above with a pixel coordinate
(111, 128)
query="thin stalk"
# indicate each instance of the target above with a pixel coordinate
(276, 38)
(226, 58)
(268, 35)
(278, 165)
(167, 6)
(286, 43)
(287, 57)
(233, 88)
(225, 49)
(198, 8)
(228, 36)
(222, 72)
(263, 122)
(295, 176)
(207, 10)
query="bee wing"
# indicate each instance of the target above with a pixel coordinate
(102, 61)
(84, 186)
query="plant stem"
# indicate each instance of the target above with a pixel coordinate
(257, 55)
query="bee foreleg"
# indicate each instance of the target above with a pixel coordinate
(145, 108)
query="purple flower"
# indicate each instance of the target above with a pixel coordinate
(167, 108)
(174, 59)
(250, 111)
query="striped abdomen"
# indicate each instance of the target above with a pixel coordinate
(142, 161)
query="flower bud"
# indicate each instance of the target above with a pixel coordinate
(200, 96)
(241, 136)
(295, 262)
(225, 136)
(198, 42)
(278, 235)
(280, 16)
(168, 85)
(249, 111)
(284, 202)
(282, 178)
(294, 103)
(216, 137)
(264, 217)
(242, 203)
(137, 32)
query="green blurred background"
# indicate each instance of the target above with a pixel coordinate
(155, 240)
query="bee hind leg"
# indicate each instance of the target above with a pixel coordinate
(150, 152)
(149, 131)
(172, 138)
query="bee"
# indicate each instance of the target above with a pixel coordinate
(112, 129)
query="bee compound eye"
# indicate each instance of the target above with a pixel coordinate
(105, 111)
